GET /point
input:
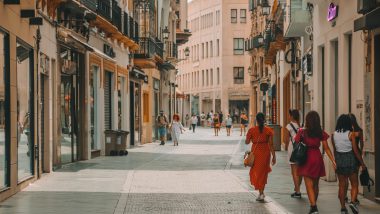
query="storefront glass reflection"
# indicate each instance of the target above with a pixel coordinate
(93, 105)
(3, 161)
(24, 114)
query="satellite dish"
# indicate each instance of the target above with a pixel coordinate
(309, 30)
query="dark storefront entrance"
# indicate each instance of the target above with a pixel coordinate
(72, 66)
(236, 107)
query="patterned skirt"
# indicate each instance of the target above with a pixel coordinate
(346, 163)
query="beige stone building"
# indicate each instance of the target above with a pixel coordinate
(214, 75)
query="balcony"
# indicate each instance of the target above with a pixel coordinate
(150, 48)
(171, 50)
(296, 18)
(90, 4)
(253, 43)
(116, 15)
(104, 9)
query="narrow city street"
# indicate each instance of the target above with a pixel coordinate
(202, 175)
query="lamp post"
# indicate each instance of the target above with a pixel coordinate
(265, 8)
(187, 52)
(165, 33)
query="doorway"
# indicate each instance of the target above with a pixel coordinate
(69, 122)
(44, 122)
(135, 111)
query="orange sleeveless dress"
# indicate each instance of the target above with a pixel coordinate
(261, 168)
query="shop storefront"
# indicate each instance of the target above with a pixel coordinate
(137, 78)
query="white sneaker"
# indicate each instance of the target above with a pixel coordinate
(260, 197)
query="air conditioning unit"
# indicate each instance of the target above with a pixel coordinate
(365, 6)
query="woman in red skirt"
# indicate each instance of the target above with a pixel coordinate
(314, 167)
(262, 139)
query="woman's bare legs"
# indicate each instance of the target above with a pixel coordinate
(343, 182)
(354, 186)
(310, 188)
(297, 180)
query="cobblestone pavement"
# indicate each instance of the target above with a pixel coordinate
(194, 177)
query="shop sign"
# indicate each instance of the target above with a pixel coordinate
(332, 12)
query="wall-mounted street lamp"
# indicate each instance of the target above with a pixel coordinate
(265, 8)
(260, 39)
(249, 70)
(165, 33)
(187, 52)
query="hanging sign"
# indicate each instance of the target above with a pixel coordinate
(332, 12)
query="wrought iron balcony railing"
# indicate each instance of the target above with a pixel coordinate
(171, 49)
(149, 47)
(90, 4)
(116, 15)
(104, 9)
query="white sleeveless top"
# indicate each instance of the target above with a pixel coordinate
(342, 141)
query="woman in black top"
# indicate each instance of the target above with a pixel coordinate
(243, 123)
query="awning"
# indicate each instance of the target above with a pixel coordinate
(167, 66)
(138, 74)
(369, 21)
(75, 38)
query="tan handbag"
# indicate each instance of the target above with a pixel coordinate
(249, 158)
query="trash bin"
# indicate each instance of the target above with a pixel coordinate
(121, 143)
(276, 136)
(110, 144)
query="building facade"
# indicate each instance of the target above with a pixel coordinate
(213, 76)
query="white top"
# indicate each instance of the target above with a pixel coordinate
(194, 120)
(228, 121)
(342, 141)
(291, 130)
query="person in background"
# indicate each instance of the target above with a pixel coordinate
(194, 121)
(162, 123)
(292, 129)
(243, 123)
(176, 129)
(312, 135)
(203, 119)
(221, 116)
(187, 118)
(216, 123)
(347, 158)
(228, 124)
(261, 138)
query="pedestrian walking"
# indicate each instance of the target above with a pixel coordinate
(312, 136)
(347, 158)
(243, 123)
(162, 124)
(176, 129)
(221, 116)
(187, 118)
(203, 119)
(292, 129)
(194, 121)
(228, 124)
(216, 123)
(261, 138)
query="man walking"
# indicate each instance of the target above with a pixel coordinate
(194, 121)
(162, 123)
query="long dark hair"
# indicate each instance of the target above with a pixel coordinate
(343, 123)
(260, 118)
(355, 123)
(313, 125)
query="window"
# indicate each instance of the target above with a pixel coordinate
(206, 49)
(233, 15)
(217, 76)
(207, 82)
(243, 16)
(203, 78)
(211, 77)
(203, 50)
(146, 107)
(238, 75)
(4, 111)
(211, 49)
(24, 110)
(217, 47)
(238, 46)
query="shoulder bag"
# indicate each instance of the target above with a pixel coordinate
(299, 153)
(365, 180)
(249, 158)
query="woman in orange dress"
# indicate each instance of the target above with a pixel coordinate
(261, 137)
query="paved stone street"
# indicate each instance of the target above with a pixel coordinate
(202, 175)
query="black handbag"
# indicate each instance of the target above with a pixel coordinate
(365, 180)
(299, 153)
